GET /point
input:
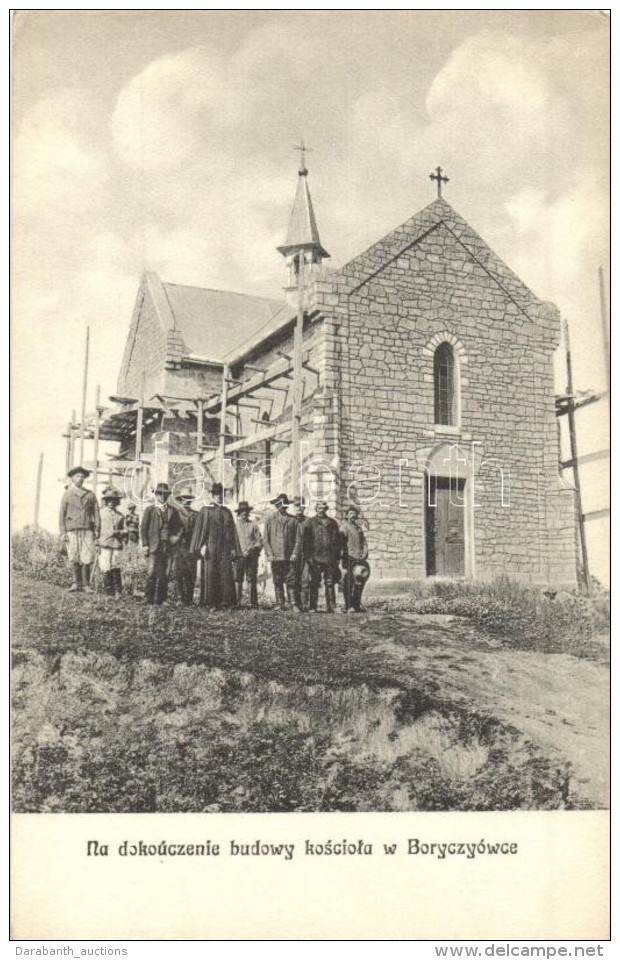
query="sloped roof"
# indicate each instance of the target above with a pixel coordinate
(303, 232)
(215, 323)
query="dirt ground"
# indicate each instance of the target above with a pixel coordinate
(558, 702)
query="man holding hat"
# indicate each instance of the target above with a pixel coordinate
(354, 560)
(79, 527)
(160, 530)
(250, 546)
(111, 542)
(321, 550)
(185, 563)
(282, 539)
(215, 542)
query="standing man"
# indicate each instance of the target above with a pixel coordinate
(354, 560)
(184, 560)
(215, 542)
(111, 540)
(160, 530)
(79, 528)
(321, 550)
(299, 515)
(282, 539)
(250, 546)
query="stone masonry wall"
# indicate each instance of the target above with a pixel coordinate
(431, 280)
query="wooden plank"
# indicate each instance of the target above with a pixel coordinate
(37, 498)
(586, 458)
(597, 514)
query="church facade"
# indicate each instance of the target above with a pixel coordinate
(428, 398)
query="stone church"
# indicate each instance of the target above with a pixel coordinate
(426, 397)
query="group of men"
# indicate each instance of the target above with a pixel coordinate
(177, 541)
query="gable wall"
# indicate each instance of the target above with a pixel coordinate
(386, 411)
(145, 352)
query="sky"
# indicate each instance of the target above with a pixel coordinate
(163, 141)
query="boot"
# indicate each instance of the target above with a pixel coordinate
(76, 586)
(86, 587)
(108, 583)
(332, 597)
(253, 595)
(290, 598)
(280, 601)
(117, 583)
(358, 589)
(329, 606)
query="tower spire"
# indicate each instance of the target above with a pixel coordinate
(303, 233)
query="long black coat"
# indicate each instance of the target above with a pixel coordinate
(215, 529)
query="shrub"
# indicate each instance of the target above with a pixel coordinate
(39, 554)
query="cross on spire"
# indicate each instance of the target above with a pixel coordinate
(303, 149)
(438, 176)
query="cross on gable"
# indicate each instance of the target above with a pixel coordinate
(440, 178)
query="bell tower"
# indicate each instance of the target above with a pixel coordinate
(302, 238)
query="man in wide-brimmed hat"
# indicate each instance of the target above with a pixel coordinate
(216, 544)
(111, 538)
(321, 550)
(354, 559)
(185, 563)
(160, 530)
(282, 540)
(79, 523)
(250, 546)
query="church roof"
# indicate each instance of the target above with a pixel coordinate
(215, 323)
(303, 232)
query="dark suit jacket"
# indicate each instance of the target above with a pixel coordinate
(150, 528)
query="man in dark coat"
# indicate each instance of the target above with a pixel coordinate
(185, 563)
(282, 541)
(160, 531)
(321, 549)
(215, 542)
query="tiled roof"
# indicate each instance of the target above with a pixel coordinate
(215, 323)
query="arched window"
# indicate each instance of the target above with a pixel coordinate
(444, 384)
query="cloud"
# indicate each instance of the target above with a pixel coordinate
(57, 165)
(162, 115)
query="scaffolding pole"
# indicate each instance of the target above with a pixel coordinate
(297, 373)
(222, 445)
(37, 498)
(84, 386)
(575, 460)
(96, 438)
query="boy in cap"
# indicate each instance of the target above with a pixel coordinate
(111, 543)
(354, 560)
(216, 543)
(79, 527)
(250, 546)
(160, 530)
(132, 524)
(321, 550)
(282, 539)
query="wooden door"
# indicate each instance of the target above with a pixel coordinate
(445, 527)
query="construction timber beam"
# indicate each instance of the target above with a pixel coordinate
(260, 436)
(277, 371)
